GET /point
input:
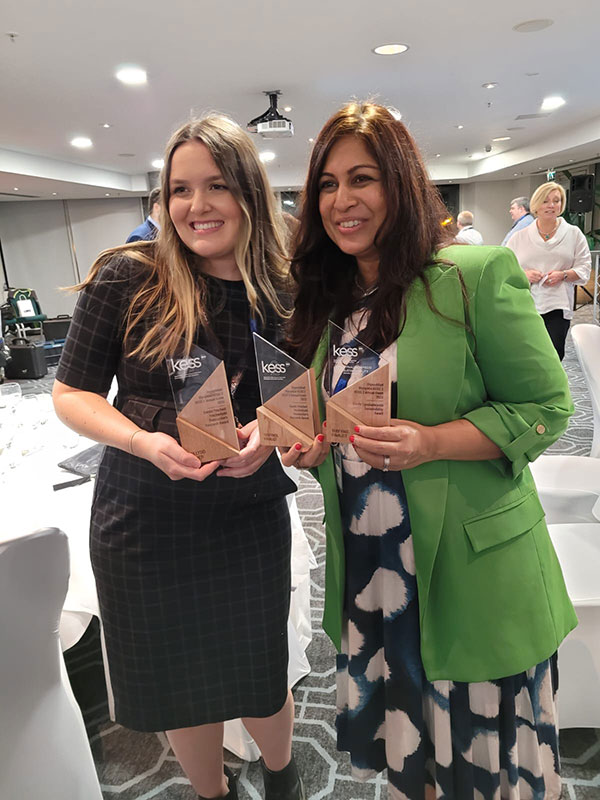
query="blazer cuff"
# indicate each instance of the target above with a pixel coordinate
(519, 447)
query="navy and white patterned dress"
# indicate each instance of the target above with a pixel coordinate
(495, 740)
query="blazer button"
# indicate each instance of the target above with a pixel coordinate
(541, 429)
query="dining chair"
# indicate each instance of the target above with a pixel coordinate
(44, 749)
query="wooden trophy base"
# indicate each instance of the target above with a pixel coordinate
(202, 444)
(365, 402)
(276, 432)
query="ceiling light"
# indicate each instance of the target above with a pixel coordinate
(16, 188)
(501, 139)
(105, 125)
(390, 49)
(287, 109)
(460, 127)
(437, 155)
(288, 203)
(82, 142)
(158, 163)
(106, 194)
(132, 76)
(552, 103)
(266, 156)
(490, 85)
(54, 194)
(311, 140)
(515, 174)
(533, 25)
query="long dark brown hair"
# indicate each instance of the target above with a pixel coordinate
(406, 241)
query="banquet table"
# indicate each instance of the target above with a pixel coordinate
(32, 443)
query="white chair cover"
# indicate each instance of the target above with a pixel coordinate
(44, 750)
(569, 488)
(578, 550)
(586, 339)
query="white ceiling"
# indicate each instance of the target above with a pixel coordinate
(57, 81)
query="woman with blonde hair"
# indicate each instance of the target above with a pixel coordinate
(556, 257)
(192, 561)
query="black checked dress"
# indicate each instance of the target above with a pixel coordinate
(193, 578)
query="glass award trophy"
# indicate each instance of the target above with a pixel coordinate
(205, 419)
(289, 412)
(358, 384)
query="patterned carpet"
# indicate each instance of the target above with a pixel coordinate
(134, 766)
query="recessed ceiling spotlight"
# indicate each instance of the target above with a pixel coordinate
(490, 85)
(16, 188)
(82, 142)
(552, 103)
(501, 139)
(571, 160)
(533, 25)
(287, 109)
(460, 127)
(450, 181)
(132, 76)
(266, 156)
(54, 194)
(437, 155)
(515, 174)
(390, 49)
(158, 163)
(311, 140)
(105, 125)
(106, 194)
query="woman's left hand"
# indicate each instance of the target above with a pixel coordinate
(555, 277)
(406, 444)
(252, 456)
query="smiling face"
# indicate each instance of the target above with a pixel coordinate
(352, 203)
(550, 207)
(204, 212)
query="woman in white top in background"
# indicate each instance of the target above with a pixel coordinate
(555, 257)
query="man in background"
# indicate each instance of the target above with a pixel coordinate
(150, 227)
(521, 217)
(466, 232)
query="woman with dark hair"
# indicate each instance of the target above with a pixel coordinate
(192, 570)
(444, 595)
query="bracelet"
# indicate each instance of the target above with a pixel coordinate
(131, 438)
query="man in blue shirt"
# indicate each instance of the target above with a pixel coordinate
(150, 227)
(519, 211)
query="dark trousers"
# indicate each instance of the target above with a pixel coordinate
(557, 327)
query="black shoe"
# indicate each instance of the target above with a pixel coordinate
(232, 794)
(286, 784)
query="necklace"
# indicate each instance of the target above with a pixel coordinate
(546, 236)
(364, 292)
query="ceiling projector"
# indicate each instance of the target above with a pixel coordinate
(271, 124)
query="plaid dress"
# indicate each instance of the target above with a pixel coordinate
(193, 578)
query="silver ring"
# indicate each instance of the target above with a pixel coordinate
(386, 463)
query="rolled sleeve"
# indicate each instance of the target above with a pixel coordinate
(582, 260)
(529, 403)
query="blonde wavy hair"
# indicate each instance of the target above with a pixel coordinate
(542, 192)
(171, 294)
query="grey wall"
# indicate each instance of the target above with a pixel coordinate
(36, 239)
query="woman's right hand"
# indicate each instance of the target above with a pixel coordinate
(306, 457)
(170, 457)
(534, 275)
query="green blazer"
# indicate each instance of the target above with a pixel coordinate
(492, 599)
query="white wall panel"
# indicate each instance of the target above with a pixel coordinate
(100, 224)
(37, 252)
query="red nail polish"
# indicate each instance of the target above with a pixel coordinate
(351, 439)
(325, 424)
(321, 438)
(298, 446)
(357, 429)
